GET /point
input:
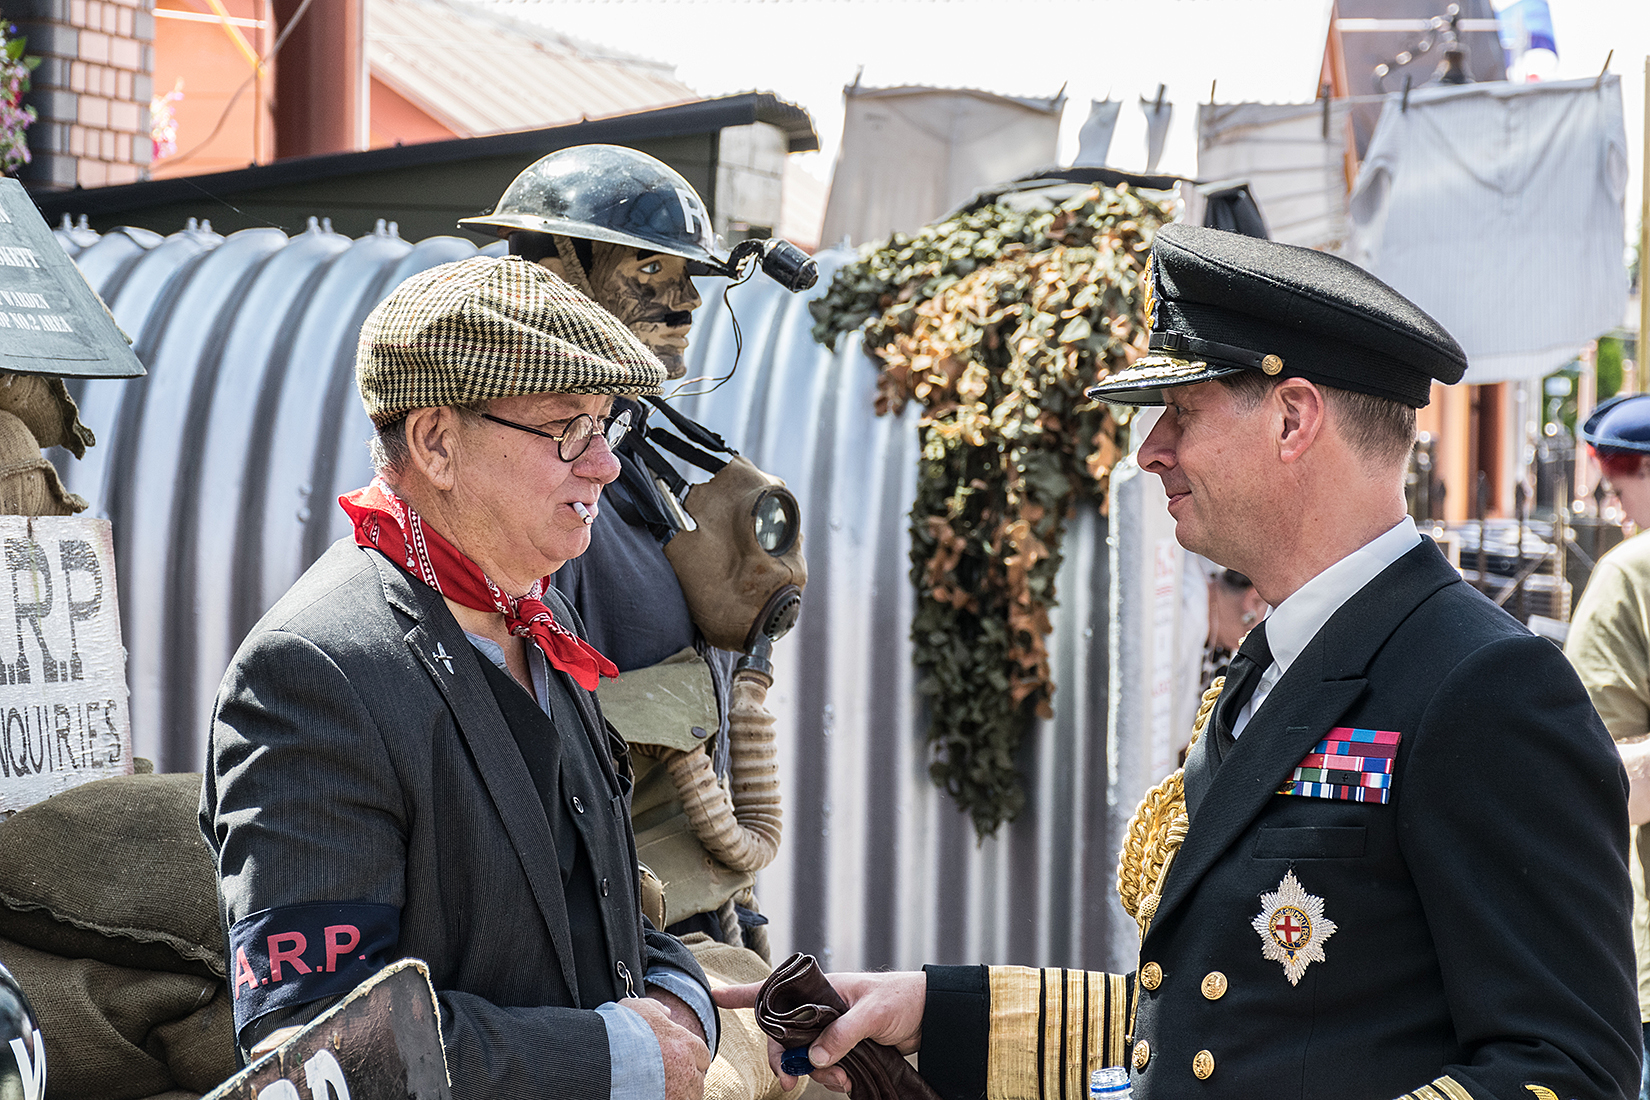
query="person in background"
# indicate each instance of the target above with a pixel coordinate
(1234, 609)
(1609, 640)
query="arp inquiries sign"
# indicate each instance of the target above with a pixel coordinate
(63, 714)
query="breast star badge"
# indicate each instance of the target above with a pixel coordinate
(1292, 927)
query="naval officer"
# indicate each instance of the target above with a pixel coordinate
(1395, 864)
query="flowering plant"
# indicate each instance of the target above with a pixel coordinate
(163, 121)
(15, 118)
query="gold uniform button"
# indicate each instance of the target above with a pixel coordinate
(1151, 975)
(1203, 1065)
(1214, 985)
(1271, 364)
(1142, 1055)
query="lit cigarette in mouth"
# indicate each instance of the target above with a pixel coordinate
(585, 514)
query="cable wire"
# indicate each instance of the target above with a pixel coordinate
(681, 389)
(292, 25)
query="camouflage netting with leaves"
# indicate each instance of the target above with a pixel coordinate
(996, 321)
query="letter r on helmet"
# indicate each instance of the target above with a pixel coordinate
(693, 211)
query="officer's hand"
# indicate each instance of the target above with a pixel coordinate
(686, 1055)
(885, 1008)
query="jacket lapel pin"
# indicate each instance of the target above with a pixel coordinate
(443, 656)
(1292, 927)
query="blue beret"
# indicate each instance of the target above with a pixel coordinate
(1620, 424)
(1219, 303)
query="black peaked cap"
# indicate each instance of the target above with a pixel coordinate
(1220, 303)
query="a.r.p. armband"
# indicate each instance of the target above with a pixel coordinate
(295, 954)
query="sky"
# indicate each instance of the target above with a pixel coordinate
(806, 51)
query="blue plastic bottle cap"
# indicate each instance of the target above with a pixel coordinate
(795, 1062)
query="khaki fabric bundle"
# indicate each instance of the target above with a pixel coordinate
(117, 871)
(740, 1069)
(109, 921)
(29, 485)
(117, 1033)
(46, 409)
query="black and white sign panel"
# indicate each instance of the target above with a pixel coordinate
(51, 321)
(63, 714)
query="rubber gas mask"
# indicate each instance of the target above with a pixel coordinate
(741, 565)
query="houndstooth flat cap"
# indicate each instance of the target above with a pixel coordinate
(491, 327)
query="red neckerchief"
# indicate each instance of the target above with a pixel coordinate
(384, 522)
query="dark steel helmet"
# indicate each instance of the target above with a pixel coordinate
(22, 1055)
(608, 193)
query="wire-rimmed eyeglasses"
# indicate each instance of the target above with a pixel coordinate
(575, 439)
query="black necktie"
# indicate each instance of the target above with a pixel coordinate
(1242, 678)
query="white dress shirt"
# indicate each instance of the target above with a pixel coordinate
(1296, 621)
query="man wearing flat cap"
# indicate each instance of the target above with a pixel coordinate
(407, 755)
(1394, 864)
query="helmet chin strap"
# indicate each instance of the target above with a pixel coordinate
(570, 263)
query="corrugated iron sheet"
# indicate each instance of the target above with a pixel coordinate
(220, 468)
(481, 72)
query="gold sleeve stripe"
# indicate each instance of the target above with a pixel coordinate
(1444, 1088)
(1013, 1062)
(1074, 1058)
(1049, 1029)
(1451, 1088)
(1115, 1020)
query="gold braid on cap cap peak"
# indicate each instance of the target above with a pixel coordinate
(1156, 831)
(491, 327)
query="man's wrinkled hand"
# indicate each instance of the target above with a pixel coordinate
(679, 1010)
(686, 1056)
(885, 1008)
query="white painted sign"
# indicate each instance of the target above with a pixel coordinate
(63, 714)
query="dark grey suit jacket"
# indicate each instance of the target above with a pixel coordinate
(359, 756)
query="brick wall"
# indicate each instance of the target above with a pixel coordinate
(92, 90)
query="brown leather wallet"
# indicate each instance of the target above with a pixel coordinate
(797, 1002)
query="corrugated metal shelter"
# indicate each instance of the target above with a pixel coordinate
(220, 468)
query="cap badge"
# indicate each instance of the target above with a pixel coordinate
(1148, 292)
(1292, 927)
(1271, 364)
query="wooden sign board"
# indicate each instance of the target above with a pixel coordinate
(51, 321)
(382, 1042)
(63, 714)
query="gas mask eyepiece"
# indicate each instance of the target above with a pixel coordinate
(776, 521)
